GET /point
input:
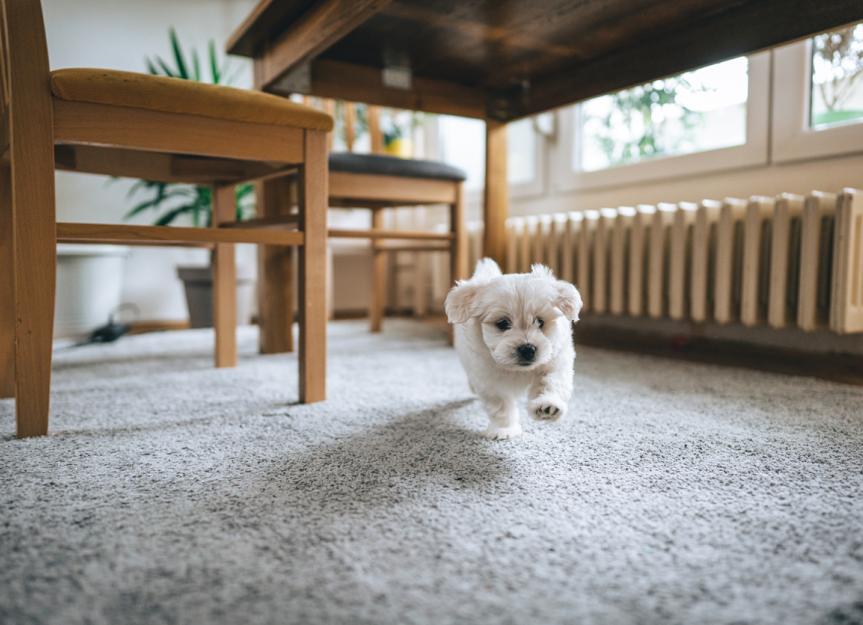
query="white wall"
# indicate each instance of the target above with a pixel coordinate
(119, 34)
(828, 174)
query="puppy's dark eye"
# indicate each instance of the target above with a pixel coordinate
(540, 322)
(503, 324)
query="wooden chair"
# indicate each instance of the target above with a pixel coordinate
(377, 182)
(126, 124)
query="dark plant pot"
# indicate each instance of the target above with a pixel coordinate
(198, 282)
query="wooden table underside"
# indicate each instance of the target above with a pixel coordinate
(500, 60)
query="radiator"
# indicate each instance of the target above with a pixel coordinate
(785, 261)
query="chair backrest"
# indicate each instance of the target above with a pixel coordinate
(25, 91)
(373, 117)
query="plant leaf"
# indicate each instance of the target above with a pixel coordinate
(167, 70)
(140, 184)
(154, 202)
(151, 68)
(244, 199)
(196, 66)
(202, 204)
(172, 214)
(182, 71)
(214, 63)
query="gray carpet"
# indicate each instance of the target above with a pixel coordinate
(170, 492)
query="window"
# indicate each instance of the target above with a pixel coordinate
(799, 101)
(710, 118)
(522, 140)
(462, 143)
(818, 87)
(692, 112)
(836, 73)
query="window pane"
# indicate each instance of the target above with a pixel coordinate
(837, 77)
(521, 151)
(462, 143)
(704, 109)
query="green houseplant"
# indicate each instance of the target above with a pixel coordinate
(176, 202)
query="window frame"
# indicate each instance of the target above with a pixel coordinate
(792, 137)
(753, 152)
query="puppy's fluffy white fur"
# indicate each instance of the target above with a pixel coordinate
(499, 320)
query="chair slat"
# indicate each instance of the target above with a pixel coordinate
(168, 235)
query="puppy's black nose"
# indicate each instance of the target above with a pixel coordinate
(526, 352)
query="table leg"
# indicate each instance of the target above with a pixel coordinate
(7, 287)
(496, 205)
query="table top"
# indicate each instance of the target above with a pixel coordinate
(503, 59)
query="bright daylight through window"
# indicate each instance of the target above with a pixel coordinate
(463, 145)
(837, 77)
(695, 111)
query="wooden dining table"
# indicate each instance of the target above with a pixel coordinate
(501, 60)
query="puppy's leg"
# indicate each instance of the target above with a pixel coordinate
(503, 419)
(549, 394)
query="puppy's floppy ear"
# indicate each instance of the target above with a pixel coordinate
(459, 301)
(568, 300)
(459, 304)
(539, 270)
(486, 269)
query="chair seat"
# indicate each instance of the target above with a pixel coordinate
(174, 95)
(392, 166)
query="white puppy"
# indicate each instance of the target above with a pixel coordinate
(513, 334)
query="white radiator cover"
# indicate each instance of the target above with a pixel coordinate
(783, 262)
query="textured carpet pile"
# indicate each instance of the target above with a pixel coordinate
(171, 492)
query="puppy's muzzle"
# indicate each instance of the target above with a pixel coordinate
(526, 353)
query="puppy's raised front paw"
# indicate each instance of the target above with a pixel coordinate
(495, 432)
(546, 408)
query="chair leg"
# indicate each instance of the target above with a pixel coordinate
(331, 296)
(275, 275)
(7, 288)
(314, 189)
(34, 232)
(224, 282)
(378, 297)
(458, 246)
(420, 267)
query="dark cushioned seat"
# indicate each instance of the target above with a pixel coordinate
(393, 166)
